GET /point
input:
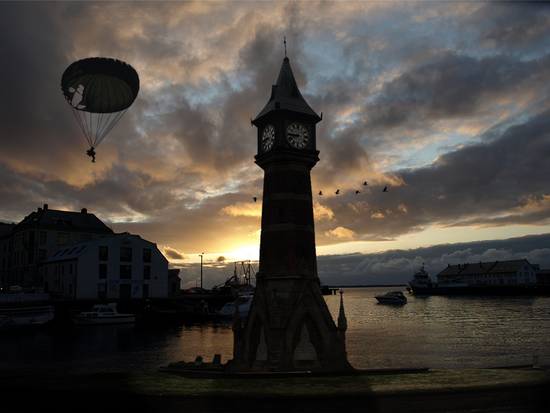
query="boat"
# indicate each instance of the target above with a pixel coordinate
(421, 282)
(243, 303)
(25, 309)
(392, 297)
(104, 314)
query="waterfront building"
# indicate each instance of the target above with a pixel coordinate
(543, 277)
(5, 232)
(122, 266)
(495, 273)
(27, 244)
(289, 326)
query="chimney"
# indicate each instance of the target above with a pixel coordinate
(84, 211)
(45, 207)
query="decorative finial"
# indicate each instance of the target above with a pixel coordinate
(284, 41)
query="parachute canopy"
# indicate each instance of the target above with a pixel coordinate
(99, 91)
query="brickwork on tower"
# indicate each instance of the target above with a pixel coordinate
(289, 326)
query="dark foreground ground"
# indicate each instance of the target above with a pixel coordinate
(469, 390)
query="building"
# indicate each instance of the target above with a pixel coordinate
(543, 277)
(122, 266)
(497, 273)
(174, 282)
(5, 235)
(289, 326)
(39, 235)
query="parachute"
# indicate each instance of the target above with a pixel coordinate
(99, 91)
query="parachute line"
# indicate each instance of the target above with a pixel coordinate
(99, 90)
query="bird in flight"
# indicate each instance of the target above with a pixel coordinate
(320, 193)
(357, 192)
(337, 192)
(254, 198)
(365, 183)
(385, 189)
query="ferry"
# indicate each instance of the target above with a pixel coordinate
(421, 282)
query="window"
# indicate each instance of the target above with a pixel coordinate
(43, 237)
(125, 254)
(126, 272)
(101, 291)
(103, 253)
(102, 271)
(146, 272)
(125, 292)
(63, 238)
(146, 254)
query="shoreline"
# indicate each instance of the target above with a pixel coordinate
(153, 391)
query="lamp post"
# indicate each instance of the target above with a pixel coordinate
(200, 255)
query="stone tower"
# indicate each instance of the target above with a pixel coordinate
(289, 326)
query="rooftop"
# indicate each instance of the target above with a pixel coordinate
(285, 95)
(46, 218)
(492, 267)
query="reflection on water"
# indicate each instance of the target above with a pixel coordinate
(426, 332)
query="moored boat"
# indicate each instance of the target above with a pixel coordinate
(103, 314)
(243, 303)
(21, 309)
(392, 297)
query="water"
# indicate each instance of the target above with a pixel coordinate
(432, 332)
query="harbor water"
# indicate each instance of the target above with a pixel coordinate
(436, 332)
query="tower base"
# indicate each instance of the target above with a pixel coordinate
(289, 328)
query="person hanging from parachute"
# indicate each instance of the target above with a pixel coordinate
(99, 91)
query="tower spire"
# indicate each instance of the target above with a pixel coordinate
(284, 41)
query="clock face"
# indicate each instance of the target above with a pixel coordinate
(297, 135)
(268, 137)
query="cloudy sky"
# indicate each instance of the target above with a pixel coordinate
(447, 103)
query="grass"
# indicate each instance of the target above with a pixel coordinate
(438, 380)
(165, 384)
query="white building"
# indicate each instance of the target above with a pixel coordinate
(501, 273)
(25, 246)
(122, 266)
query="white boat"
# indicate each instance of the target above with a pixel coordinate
(243, 302)
(104, 314)
(392, 297)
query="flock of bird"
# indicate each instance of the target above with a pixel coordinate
(338, 191)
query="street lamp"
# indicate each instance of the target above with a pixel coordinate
(200, 255)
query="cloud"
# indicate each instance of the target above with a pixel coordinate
(173, 254)
(398, 266)
(448, 122)
(321, 212)
(341, 233)
(501, 181)
(243, 209)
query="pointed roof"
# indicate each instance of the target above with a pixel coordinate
(285, 95)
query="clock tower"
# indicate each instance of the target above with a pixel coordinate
(289, 326)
